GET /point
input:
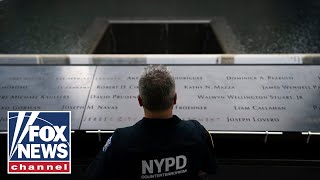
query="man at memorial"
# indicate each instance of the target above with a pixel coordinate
(160, 145)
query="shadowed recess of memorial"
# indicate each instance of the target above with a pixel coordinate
(154, 38)
(248, 157)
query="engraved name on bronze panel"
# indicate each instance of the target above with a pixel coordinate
(44, 88)
(238, 98)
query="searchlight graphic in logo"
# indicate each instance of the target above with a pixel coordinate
(39, 142)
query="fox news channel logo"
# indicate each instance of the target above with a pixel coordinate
(39, 142)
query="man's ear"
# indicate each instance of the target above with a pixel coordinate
(175, 98)
(140, 100)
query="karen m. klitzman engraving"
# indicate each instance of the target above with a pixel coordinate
(260, 108)
(253, 119)
(195, 87)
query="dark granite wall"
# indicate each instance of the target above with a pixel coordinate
(261, 26)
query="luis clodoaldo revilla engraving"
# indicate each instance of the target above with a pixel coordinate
(242, 98)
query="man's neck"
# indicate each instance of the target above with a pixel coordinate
(166, 114)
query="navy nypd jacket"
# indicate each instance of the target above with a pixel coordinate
(155, 149)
